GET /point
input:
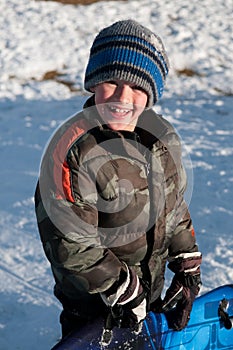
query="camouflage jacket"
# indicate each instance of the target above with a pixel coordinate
(106, 197)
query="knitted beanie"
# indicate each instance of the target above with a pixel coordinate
(128, 51)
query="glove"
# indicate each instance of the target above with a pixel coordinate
(184, 288)
(128, 303)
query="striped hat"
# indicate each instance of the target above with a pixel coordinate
(128, 51)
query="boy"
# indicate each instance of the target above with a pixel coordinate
(109, 200)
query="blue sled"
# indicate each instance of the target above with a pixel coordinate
(210, 327)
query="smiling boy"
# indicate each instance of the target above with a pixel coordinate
(109, 200)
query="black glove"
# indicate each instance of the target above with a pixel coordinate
(184, 288)
(128, 302)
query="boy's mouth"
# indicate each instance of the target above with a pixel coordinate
(119, 112)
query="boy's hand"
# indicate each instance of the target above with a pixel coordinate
(184, 288)
(182, 297)
(128, 303)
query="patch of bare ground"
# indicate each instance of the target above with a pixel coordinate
(188, 72)
(59, 78)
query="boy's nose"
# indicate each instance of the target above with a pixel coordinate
(123, 93)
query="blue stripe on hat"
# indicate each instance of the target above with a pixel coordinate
(135, 42)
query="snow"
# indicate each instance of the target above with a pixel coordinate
(38, 37)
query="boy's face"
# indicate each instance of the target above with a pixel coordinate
(120, 104)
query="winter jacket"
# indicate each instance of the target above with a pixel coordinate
(105, 198)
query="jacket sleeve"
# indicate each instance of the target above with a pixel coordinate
(68, 229)
(183, 237)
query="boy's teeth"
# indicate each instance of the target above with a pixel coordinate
(119, 110)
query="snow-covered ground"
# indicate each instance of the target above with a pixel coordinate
(38, 37)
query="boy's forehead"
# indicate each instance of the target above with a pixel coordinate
(118, 83)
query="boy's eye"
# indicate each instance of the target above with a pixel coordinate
(138, 88)
(111, 82)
